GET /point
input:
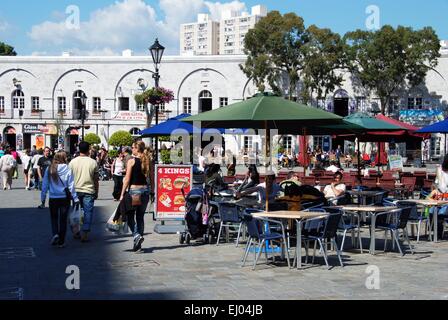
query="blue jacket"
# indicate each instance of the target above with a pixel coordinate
(56, 189)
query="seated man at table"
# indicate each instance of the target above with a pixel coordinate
(269, 187)
(335, 189)
(251, 180)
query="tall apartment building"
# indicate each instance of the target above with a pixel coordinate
(200, 38)
(234, 27)
(207, 37)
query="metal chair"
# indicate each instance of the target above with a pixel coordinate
(230, 215)
(416, 216)
(322, 235)
(258, 235)
(396, 220)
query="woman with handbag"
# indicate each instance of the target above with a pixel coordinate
(59, 182)
(137, 191)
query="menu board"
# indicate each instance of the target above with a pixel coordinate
(170, 202)
(395, 162)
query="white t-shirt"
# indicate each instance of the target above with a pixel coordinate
(35, 160)
(442, 180)
(333, 168)
(328, 190)
(201, 163)
(118, 167)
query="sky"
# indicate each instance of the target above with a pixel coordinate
(105, 27)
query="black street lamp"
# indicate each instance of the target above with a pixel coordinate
(83, 113)
(156, 52)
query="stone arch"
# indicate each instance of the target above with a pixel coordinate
(63, 75)
(17, 70)
(188, 76)
(122, 78)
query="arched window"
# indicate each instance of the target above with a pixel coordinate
(18, 99)
(205, 94)
(205, 101)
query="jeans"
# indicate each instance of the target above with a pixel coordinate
(139, 212)
(118, 185)
(87, 201)
(59, 214)
(36, 179)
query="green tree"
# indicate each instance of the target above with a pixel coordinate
(387, 59)
(92, 138)
(6, 50)
(324, 55)
(120, 139)
(274, 47)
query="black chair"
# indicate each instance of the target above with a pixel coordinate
(397, 219)
(346, 224)
(325, 235)
(230, 215)
(258, 237)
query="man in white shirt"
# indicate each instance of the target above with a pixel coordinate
(333, 168)
(336, 188)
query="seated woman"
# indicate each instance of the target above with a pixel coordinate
(440, 190)
(335, 189)
(213, 177)
(251, 180)
(269, 187)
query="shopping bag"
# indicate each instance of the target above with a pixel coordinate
(75, 219)
(117, 226)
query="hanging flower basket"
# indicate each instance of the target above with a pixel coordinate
(155, 96)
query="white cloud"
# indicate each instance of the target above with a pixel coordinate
(4, 26)
(216, 8)
(125, 24)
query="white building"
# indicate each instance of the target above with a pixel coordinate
(200, 38)
(207, 37)
(39, 95)
(234, 27)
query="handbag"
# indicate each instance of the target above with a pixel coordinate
(75, 219)
(68, 194)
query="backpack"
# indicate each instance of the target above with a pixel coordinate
(11, 162)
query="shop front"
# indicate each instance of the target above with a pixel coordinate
(40, 135)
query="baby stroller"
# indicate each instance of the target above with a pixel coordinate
(199, 217)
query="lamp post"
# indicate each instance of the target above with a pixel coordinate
(83, 113)
(156, 52)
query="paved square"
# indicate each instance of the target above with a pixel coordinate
(167, 270)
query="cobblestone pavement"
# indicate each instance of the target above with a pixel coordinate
(32, 269)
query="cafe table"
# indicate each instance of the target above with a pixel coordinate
(299, 217)
(363, 195)
(431, 203)
(373, 211)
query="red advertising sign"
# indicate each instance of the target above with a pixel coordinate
(170, 203)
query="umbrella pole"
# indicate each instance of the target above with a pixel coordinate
(267, 142)
(359, 162)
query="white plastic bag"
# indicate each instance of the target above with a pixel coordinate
(75, 219)
(117, 227)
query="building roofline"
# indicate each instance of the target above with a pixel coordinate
(105, 59)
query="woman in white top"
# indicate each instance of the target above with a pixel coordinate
(118, 171)
(26, 163)
(35, 167)
(7, 167)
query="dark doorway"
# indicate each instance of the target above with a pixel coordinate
(205, 101)
(73, 143)
(341, 106)
(27, 141)
(77, 103)
(10, 136)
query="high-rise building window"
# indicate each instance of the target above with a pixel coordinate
(62, 105)
(187, 105)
